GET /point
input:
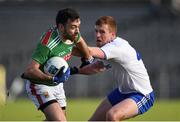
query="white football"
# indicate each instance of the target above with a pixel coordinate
(54, 64)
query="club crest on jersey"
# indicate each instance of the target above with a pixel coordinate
(46, 94)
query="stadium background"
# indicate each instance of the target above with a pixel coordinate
(151, 26)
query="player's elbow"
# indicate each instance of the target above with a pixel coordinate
(28, 73)
(90, 51)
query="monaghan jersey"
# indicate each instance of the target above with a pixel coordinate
(50, 45)
(128, 67)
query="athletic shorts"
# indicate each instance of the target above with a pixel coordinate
(143, 102)
(43, 95)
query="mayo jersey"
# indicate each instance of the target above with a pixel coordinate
(51, 45)
(128, 68)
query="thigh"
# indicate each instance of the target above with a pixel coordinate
(43, 95)
(53, 112)
(100, 113)
(47, 100)
(127, 105)
(39, 94)
(125, 109)
(59, 94)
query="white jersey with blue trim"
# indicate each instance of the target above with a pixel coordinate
(128, 67)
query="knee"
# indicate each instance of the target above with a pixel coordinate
(112, 115)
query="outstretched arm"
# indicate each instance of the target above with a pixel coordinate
(97, 52)
(95, 67)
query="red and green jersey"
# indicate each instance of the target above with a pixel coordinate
(51, 45)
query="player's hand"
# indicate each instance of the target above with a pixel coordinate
(95, 67)
(61, 77)
(86, 61)
(100, 66)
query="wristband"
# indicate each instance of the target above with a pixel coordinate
(86, 61)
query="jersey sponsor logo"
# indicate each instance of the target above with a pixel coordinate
(65, 52)
(62, 53)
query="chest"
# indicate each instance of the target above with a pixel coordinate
(62, 50)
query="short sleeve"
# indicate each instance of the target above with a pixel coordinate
(41, 53)
(110, 51)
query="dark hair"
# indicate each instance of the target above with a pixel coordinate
(109, 20)
(65, 14)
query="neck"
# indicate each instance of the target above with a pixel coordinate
(114, 37)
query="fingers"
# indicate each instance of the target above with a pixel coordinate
(107, 66)
(102, 64)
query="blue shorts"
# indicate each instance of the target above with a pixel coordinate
(144, 103)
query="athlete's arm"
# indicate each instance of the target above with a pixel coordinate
(97, 52)
(96, 67)
(33, 73)
(82, 49)
(94, 51)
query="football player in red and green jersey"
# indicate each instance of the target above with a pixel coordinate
(63, 40)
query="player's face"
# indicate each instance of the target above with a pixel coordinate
(103, 35)
(71, 29)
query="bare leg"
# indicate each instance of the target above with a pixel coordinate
(100, 113)
(123, 110)
(53, 112)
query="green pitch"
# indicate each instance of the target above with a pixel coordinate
(81, 109)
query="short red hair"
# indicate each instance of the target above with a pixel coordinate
(110, 21)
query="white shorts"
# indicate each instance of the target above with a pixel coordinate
(43, 95)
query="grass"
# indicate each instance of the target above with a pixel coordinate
(82, 109)
(163, 110)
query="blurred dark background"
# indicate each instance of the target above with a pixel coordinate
(151, 26)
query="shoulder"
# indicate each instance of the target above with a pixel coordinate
(119, 41)
(50, 38)
(116, 48)
(50, 35)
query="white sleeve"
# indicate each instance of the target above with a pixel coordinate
(110, 51)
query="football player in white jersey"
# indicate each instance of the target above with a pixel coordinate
(134, 94)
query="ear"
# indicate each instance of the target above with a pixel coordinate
(113, 34)
(61, 27)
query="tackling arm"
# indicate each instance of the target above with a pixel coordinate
(96, 67)
(92, 68)
(97, 52)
